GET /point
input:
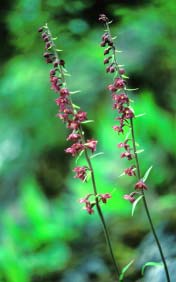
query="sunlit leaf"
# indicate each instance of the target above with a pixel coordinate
(75, 92)
(135, 204)
(96, 155)
(124, 269)
(79, 155)
(147, 174)
(75, 106)
(140, 115)
(87, 121)
(139, 151)
(150, 263)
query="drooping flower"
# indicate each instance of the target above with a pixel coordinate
(75, 149)
(140, 185)
(91, 144)
(130, 171)
(81, 172)
(104, 197)
(129, 198)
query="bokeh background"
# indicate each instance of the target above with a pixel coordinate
(45, 235)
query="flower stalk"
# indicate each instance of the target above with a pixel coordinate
(73, 117)
(125, 117)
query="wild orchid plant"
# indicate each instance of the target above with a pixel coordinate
(74, 118)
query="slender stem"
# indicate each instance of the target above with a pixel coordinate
(146, 206)
(108, 241)
(90, 166)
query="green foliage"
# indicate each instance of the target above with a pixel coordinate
(150, 263)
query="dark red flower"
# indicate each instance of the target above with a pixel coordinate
(130, 171)
(127, 113)
(124, 145)
(140, 185)
(64, 92)
(127, 155)
(81, 116)
(129, 198)
(103, 18)
(81, 172)
(75, 149)
(119, 83)
(73, 137)
(91, 144)
(104, 197)
(62, 103)
(73, 124)
(118, 128)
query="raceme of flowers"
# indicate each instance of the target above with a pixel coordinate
(121, 103)
(72, 116)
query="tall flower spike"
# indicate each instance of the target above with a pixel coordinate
(125, 117)
(73, 120)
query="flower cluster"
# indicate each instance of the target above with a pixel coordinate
(89, 204)
(121, 102)
(69, 114)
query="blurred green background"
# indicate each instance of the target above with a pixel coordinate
(45, 235)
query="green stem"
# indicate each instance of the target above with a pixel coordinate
(108, 241)
(146, 206)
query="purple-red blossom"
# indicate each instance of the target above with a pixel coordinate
(75, 149)
(81, 116)
(62, 103)
(73, 124)
(121, 98)
(127, 155)
(104, 197)
(129, 198)
(130, 171)
(81, 172)
(91, 144)
(140, 185)
(119, 83)
(64, 92)
(73, 137)
(127, 113)
(55, 83)
(124, 145)
(103, 18)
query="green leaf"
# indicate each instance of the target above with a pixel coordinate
(147, 174)
(125, 268)
(125, 76)
(139, 151)
(59, 50)
(75, 92)
(87, 121)
(75, 106)
(140, 115)
(131, 89)
(135, 204)
(150, 263)
(98, 154)
(78, 157)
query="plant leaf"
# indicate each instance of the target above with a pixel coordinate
(147, 174)
(78, 157)
(150, 263)
(140, 115)
(75, 106)
(135, 204)
(124, 269)
(98, 154)
(87, 121)
(74, 92)
(139, 151)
